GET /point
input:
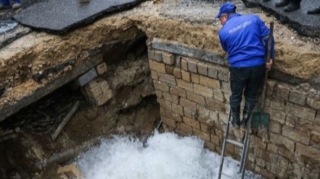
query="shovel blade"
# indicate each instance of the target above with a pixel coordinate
(260, 120)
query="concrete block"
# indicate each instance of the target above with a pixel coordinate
(283, 92)
(72, 171)
(87, 77)
(102, 68)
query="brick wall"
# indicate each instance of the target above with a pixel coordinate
(194, 97)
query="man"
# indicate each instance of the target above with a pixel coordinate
(245, 38)
(6, 4)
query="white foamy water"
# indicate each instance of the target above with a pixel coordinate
(164, 156)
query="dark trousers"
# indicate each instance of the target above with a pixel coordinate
(246, 80)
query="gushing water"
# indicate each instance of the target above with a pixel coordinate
(163, 156)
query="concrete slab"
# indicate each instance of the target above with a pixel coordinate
(61, 16)
(303, 23)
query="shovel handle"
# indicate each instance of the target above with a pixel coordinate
(268, 58)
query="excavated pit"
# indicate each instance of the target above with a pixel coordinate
(26, 65)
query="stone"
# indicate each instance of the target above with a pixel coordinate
(177, 73)
(178, 91)
(185, 128)
(191, 122)
(192, 66)
(186, 76)
(161, 86)
(169, 121)
(187, 103)
(195, 78)
(297, 97)
(86, 77)
(195, 98)
(101, 68)
(296, 135)
(105, 97)
(203, 68)
(314, 101)
(169, 79)
(185, 85)
(169, 70)
(203, 90)
(72, 171)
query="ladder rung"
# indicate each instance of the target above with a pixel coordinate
(231, 160)
(229, 176)
(235, 142)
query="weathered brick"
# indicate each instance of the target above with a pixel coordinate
(158, 56)
(185, 128)
(160, 86)
(223, 74)
(204, 128)
(209, 146)
(184, 64)
(203, 135)
(177, 73)
(167, 79)
(282, 141)
(185, 85)
(165, 104)
(276, 115)
(195, 98)
(169, 69)
(264, 172)
(213, 71)
(314, 101)
(218, 95)
(301, 112)
(203, 90)
(177, 109)
(296, 135)
(187, 103)
(203, 68)
(154, 75)
(279, 105)
(168, 58)
(225, 87)
(195, 78)
(169, 121)
(178, 91)
(257, 142)
(191, 113)
(192, 66)
(203, 111)
(185, 76)
(215, 84)
(105, 97)
(215, 139)
(171, 98)
(102, 68)
(216, 105)
(297, 97)
(308, 151)
(275, 127)
(282, 92)
(291, 121)
(156, 66)
(151, 54)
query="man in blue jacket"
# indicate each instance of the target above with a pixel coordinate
(245, 38)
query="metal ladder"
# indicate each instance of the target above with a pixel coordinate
(244, 154)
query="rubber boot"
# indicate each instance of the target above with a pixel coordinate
(266, 0)
(292, 7)
(282, 3)
(235, 114)
(314, 11)
(247, 111)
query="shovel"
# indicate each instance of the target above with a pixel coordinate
(260, 119)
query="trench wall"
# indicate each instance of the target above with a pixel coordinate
(192, 88)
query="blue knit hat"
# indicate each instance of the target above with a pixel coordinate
(227, 7)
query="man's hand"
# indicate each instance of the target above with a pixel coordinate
(269, 64)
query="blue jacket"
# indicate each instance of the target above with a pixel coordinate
(245, 38)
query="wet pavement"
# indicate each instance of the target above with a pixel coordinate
(61, 16)
(303, 23)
